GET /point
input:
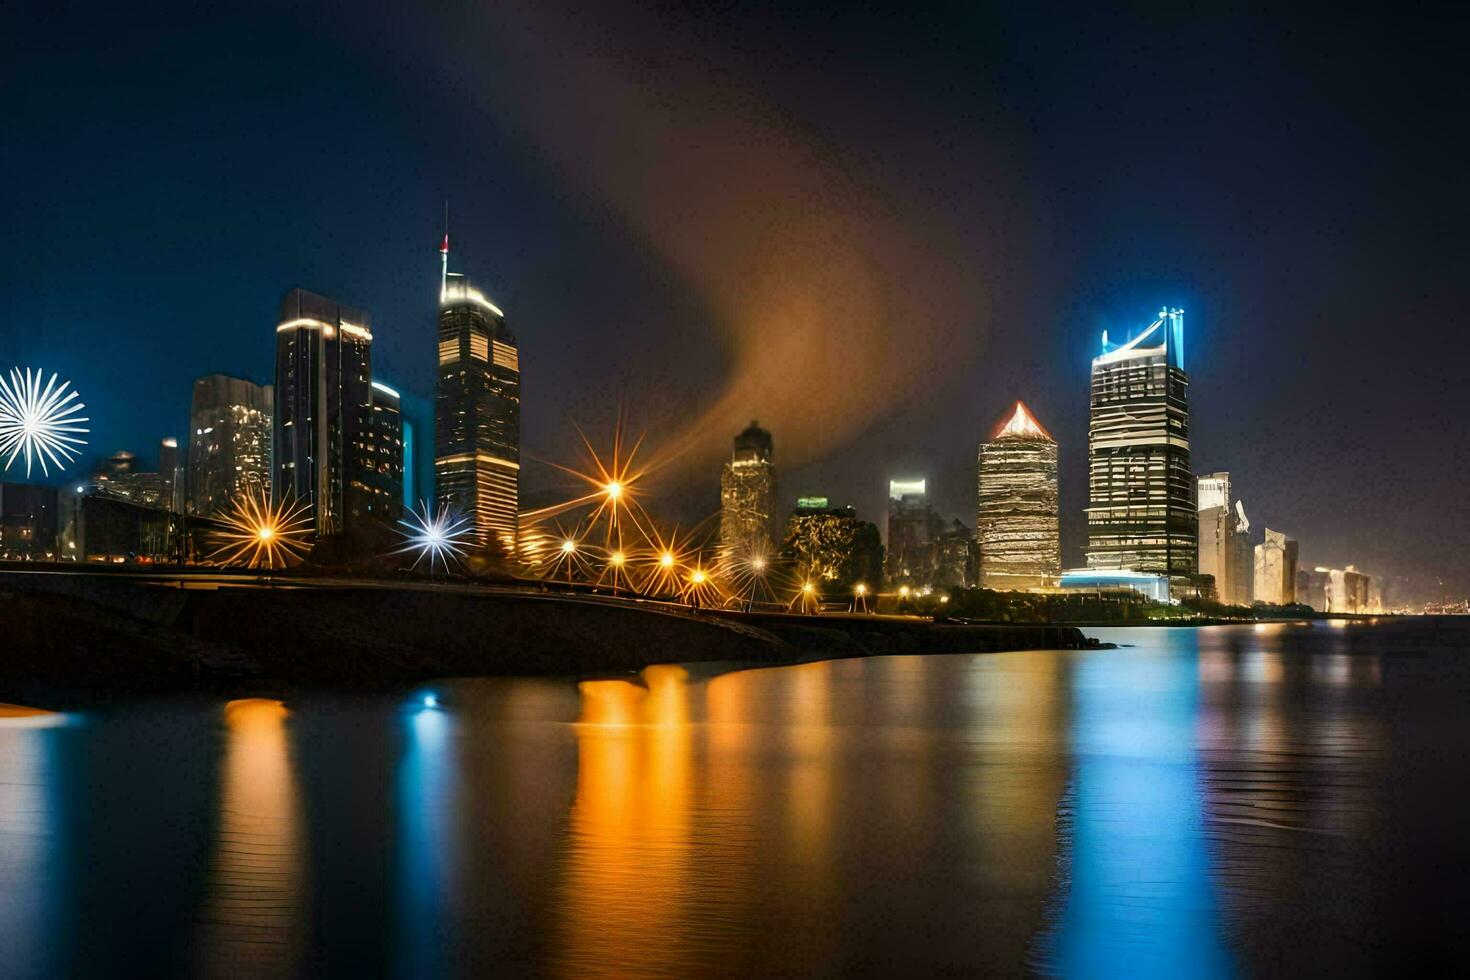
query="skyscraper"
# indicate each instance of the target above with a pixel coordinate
(913, 530)
(1276, 561)
(748, 494)
(1141, 509)
(322, 401)
(1017, 524)
(1224, 541)
(377, 473)
(1225, 553)
(477, 425)
(168, 474)
(229, 442)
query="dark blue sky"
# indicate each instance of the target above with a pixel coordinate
(873, 230)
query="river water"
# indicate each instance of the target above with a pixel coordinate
(1278, 799)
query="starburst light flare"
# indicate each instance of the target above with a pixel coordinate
(808, 598)
(610, 480)
(40, 423)
(440, 536)
(260, 534)
(751, 574)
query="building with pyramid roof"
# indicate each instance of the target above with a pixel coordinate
(1016, 524)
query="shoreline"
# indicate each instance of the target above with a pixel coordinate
(97, 637)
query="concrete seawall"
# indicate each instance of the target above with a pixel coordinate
(123, 633)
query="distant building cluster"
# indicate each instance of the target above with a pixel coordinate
(1154, 529)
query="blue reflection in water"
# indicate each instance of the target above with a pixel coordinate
(30, 853)
(426, 858)
(1138, 895)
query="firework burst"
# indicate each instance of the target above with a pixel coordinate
(440, 536)
(40, 423)
(260, 534)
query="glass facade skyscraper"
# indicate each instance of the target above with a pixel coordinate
(377, 473)
(1017, 525)
(477, 425)
(229, 442)
(323, 400)
(748, 495)
(1141, 497)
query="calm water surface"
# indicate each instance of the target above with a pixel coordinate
(1280, 800)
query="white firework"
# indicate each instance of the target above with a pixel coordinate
(41, 423)
(438, 536)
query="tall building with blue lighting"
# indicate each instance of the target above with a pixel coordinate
(1141, 512)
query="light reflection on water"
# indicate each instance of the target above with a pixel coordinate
(1139, 896)
(29, 855)
(1193, 804)
(254, 908)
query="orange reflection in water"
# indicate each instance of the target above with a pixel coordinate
(628, 863)
(251, 917)
(19, 716)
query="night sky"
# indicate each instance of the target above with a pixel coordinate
(872, 230)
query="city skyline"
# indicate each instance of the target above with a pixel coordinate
(245, 225)
(369, 482)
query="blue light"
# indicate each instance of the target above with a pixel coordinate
(431, 701)
(409, 462)
(1176, 331)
